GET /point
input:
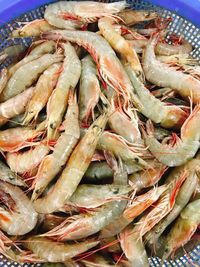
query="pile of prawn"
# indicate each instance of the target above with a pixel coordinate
(99, 139)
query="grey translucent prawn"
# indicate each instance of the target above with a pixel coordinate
(22, 162)
(89, 89)
(133, 248)
(185, 147)
(9, 176)
(183, 229)
(52, 251)
(131, 17)
(32, 29)
(166, 76)
(43, 90)
(72, 14)
(19, 81)
(15, 138)
(159, 112)
(120, 44)
(93, 196)
(149, 177)
(15, 105)
(42, 47)
(136, 206)
(68, 79)
(125, 125)
(20, 217)
(86, 225)
(75, 169)
(115, 144)
(109, 66)
(184, 195)
(53, 163)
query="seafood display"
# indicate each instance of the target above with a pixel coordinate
(99, 139)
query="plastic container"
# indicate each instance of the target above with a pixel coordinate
(13, 12)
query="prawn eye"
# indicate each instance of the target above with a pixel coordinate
(136, 160)
(116, 191)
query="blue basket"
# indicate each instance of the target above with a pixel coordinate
(186, 22)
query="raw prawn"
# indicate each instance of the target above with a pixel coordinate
(165, 76)
(20, 217)
(184, 195)
(89, 89)
(52, 251)
(74, 171)
(184, 149)
(52, 164)
(184, 228)
(86, 225)
(32, 29)
(19, 81)
(67, 80)
(10, 177)
(72, 14)
(120, 44)
(16, 105)
(109, 66)
(22, 162)
(15, 138)
(92, 196)
(138, 205)
(131, 17)
(42, 92)
(159, 112)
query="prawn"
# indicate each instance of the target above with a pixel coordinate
(52, 164)
(126, 127)
(167, 115)
(161, 208)
(68, 78)
(133, 248)
(22, 162)
(89, 90)
(32, 29)
(86, 225)
(44, 47)
(75, 169)
(184, 228)
(184, 149)
(15, 138)
(19, 81)
(98, 171)
(109, 66)
(184, 195)
(149, 177)
(3, 79)
(10, 177)
(93, 196)
(138, 205)
(20, 217)
(51, 251)
(42, 92)
(72, 14)
(115, 144)
(120, 44)
(166, 76)
(131, 17)
(16, 105)
(163, 49)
